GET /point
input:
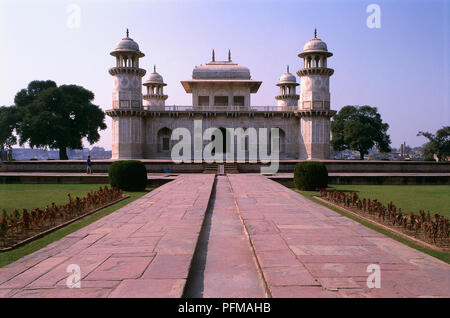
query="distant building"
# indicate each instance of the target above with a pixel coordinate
(403, 149)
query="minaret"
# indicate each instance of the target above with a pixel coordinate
(154, 95)
(127, 111)
(288, 97)
(314, 105)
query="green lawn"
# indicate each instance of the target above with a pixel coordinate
(410, 198)
(39, 195)
(30, 196)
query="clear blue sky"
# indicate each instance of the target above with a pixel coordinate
(402, 68)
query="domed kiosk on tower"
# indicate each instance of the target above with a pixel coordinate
(127, 74)
(127, 45)
(288, 97)
(154, 95)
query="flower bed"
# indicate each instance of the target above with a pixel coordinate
(17, 227)
(431, 229)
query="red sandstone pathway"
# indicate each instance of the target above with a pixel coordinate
(307, 250)
(230, 269)
(141, 250)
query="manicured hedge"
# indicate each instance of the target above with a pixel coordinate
(310, 175)
(128, 175)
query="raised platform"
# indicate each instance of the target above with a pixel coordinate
(362, 166)
(287, 179)
(153, 179)
(159, 166)
(340, 171)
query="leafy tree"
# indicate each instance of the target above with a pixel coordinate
(359, 128)
(27, 95)
(7, 125)
(57, 117)
(438, 144)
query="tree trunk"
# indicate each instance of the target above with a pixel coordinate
(63, 153)
(361, 155)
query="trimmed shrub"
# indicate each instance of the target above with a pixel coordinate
(128, 175)
(310, 175)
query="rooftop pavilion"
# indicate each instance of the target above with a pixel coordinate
(221, 85)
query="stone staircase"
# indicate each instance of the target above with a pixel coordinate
(217, 167)
(210, 168)
(231, 168)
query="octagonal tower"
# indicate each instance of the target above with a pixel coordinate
(127, 122)
(154, 96)
(314, 108)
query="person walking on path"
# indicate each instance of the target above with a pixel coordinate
(89, 165)
(9, 154)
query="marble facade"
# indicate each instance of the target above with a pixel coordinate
(221, 97)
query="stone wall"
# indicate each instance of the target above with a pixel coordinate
(156, 122)
(333, 166)
(431, 179)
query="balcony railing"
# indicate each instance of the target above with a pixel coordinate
(222, 108)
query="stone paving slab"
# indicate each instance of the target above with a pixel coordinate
(141, 250)
(307, 250)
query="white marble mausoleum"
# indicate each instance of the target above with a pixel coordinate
(221, 97)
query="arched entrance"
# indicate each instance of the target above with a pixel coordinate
(163, 140)
(282, 140)
(225, 138)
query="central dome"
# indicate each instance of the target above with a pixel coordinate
(221, 70)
